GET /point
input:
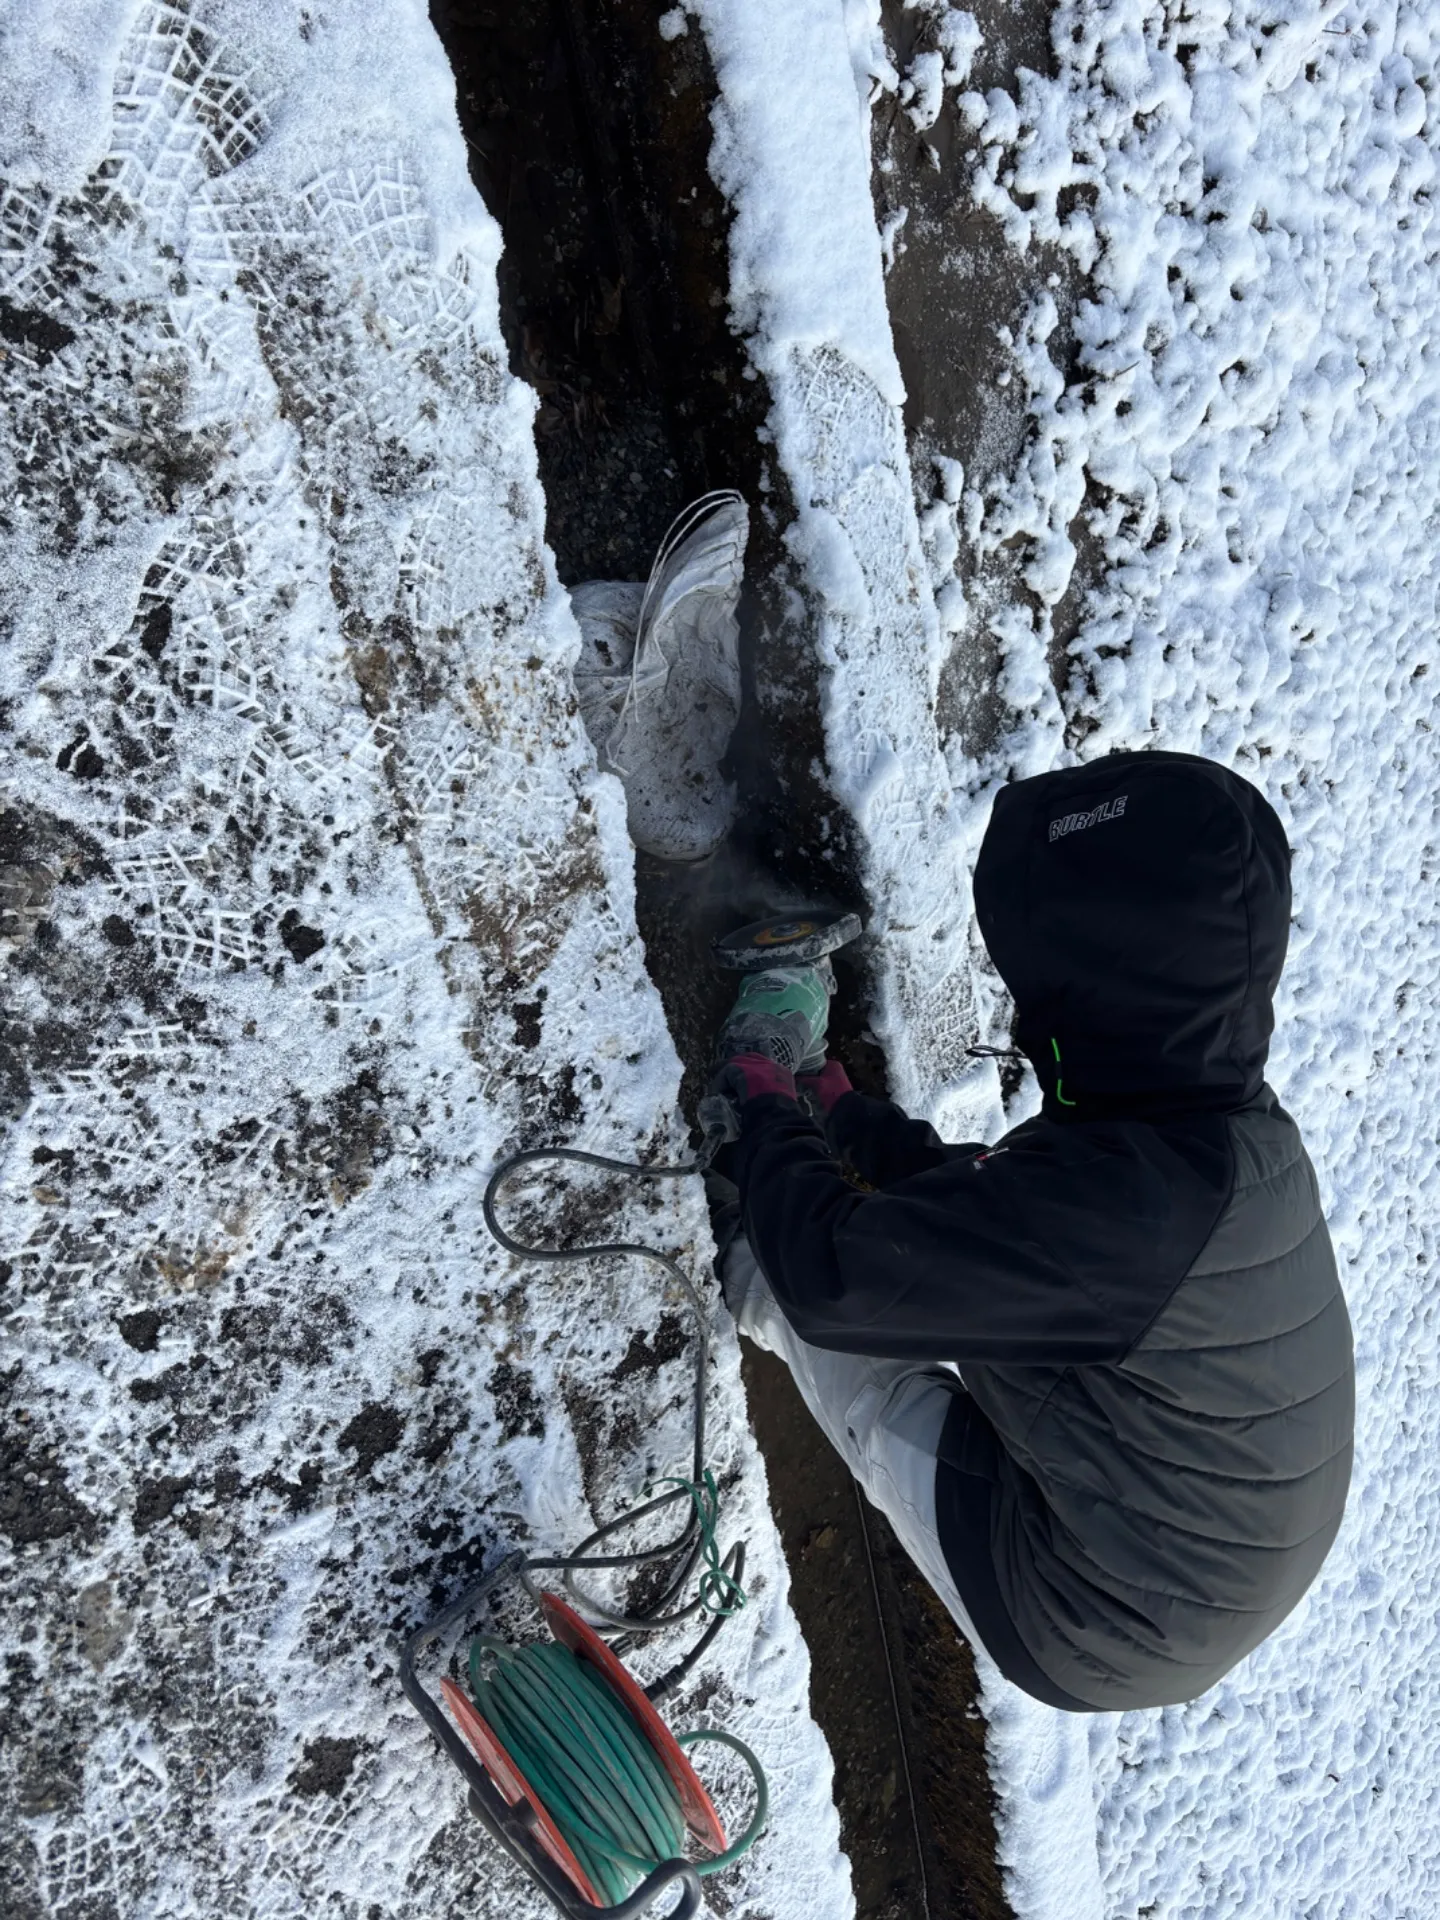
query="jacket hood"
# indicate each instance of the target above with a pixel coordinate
(1138, 909)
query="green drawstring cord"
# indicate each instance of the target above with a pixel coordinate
(1058, 1094)
(591, 1766)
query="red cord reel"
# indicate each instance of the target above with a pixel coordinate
(567, 1627)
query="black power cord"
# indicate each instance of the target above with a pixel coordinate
(687, 1546)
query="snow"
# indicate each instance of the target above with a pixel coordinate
(957, 40)
(1252, 198)
(315, 904)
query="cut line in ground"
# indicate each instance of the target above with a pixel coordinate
(589, 136)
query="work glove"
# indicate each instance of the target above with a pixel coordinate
(818, 1092)
(731, 1085)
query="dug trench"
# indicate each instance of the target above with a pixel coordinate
(588, 137)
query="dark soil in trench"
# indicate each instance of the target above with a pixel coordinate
(589, 136)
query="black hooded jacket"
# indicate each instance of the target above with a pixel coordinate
(1152, 1456)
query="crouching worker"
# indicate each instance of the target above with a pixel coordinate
(1148, 1458)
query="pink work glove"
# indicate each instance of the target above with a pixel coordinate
(749, 1074)
(821, 1090)
(735, 1081)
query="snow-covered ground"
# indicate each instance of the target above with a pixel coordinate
(1251, 193)
(314, 905)
(315, 901)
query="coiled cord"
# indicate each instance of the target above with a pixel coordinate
(595, 1772)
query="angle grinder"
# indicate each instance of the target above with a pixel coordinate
(800, 940)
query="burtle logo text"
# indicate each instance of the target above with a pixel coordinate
(1072, 822)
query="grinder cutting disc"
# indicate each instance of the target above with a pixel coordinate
(798, 941)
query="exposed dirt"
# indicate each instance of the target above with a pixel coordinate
(327, 1766)
(580, 292)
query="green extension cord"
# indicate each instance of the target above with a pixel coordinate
(595, 1772)
(717, 1585)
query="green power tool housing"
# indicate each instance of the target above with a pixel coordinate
(798, 940)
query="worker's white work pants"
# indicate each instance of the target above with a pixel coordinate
(883, 1417)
